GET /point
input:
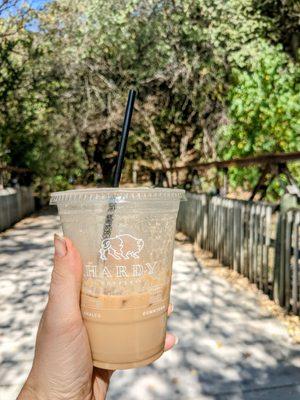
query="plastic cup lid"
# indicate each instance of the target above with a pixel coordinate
(116, 194)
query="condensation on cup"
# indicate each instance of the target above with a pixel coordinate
(126, 239)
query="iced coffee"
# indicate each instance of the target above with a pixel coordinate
(127, 268)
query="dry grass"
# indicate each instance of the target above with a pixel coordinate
(292, 322)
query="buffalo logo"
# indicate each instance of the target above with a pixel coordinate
(121, 247)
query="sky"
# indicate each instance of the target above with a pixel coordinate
(37, 3)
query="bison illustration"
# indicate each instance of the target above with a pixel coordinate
(121, 247)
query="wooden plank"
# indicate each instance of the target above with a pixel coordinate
(255, 244)
(218, 229)
(211, 226)
(190, 213)
(240, 236)
(184, 214)
(235, 237)
(247, 235)
(287, 258)
(204, 210)
(212, 219)
(251, 242)
(197, 228)
(186, 221)
(230, 238)
(226, 258)
(208, 225)
(296, 266)
(231, 233)
(222, 232)
(202, 221)
(228, 234)
(195, 217)
(219, 244)
(205, 217)
(268, 228)
(281, 287)
(264, 159)
(242, 244)
(200, 213)
(215, 228)
(233, 241)
(262, 223)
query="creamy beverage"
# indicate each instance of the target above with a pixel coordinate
(127, 268)
(132, 325)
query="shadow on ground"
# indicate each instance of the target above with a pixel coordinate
(25, 269)
(229, 347)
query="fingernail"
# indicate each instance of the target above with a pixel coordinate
(171, 307)
(176, 340)
(60, 246)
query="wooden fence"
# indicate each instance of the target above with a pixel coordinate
(253, 238)
(14, 205)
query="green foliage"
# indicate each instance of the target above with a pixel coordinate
(263, 109)
(29, 101)
(215, 79)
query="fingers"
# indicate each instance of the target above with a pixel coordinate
(171, 341)
(67, 261)
(170, 309)
(66, 277)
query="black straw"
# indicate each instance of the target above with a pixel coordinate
(124, 138)
(107, 228)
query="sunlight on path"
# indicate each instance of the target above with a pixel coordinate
(229, 347)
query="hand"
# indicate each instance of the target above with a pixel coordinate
(62, 366)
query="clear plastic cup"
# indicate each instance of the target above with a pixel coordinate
(125, 238)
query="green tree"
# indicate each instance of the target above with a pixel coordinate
(29, 100)
(213, 79)
(264, 109)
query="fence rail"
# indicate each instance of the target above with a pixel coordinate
(253, 238)
(14, 205)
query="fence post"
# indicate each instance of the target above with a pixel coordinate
(242, 242)
(250, 243)
(288, 201)
(287, 258)
(262, 223)
(268, 222)
(296, 259)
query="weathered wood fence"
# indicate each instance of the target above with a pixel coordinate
(252, 238)
(14, 205)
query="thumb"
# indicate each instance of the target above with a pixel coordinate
(64, 294)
